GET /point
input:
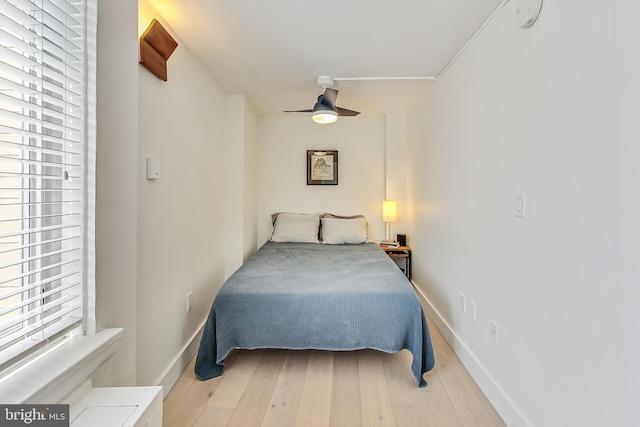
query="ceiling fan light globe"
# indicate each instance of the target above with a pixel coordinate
(325, 116)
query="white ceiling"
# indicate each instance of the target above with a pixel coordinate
(273, 51)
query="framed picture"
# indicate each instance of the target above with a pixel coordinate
(322, 167)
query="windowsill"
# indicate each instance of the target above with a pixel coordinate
(57, 373)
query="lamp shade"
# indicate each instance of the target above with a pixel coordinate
(389, 213)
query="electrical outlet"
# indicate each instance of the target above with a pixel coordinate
(494, 331)
(472, 306)
(463, 303)
(189, 304)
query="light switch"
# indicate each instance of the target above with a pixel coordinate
(520, 205)
(153, 168)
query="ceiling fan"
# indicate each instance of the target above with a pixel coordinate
(325, 109)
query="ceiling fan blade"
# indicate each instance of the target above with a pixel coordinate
(345, 112)
(329, 97)
(299, 111)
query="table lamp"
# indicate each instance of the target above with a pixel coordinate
(389, 214)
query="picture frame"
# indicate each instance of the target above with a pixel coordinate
(322, 167)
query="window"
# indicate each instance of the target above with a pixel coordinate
(43, 146)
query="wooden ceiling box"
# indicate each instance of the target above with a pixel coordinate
(156, 46)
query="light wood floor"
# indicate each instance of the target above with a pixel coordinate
(281, 388)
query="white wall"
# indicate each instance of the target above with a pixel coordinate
(181, 220)
(395, 171)
(241, 181)
(233, 165)
(629, 106)
(116, 179)
(282, 169)
(528, 111)
(250, 230)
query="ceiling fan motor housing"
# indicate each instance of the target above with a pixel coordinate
(325, 82)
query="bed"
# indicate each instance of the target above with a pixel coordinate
(309, 295)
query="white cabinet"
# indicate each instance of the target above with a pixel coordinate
(118, 407)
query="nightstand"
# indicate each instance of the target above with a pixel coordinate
(403, 252)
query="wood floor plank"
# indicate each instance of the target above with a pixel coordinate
(346, 405)
(173, 399)
(285, 401)
(436, 402)
(495, 417)
(404, 392)
(315, 402)
(255, 399)
(377, 409)
(456, 382)
(214, 417)
(438, 406)
(235, 379)
(192, 403)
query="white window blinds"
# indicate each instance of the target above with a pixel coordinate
(42, 175)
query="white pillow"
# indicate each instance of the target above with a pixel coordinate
(300, 228)
(336, 231)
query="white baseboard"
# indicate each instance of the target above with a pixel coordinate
(506, 408)
(171, 375)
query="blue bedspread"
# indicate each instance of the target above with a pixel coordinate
(313, 296)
